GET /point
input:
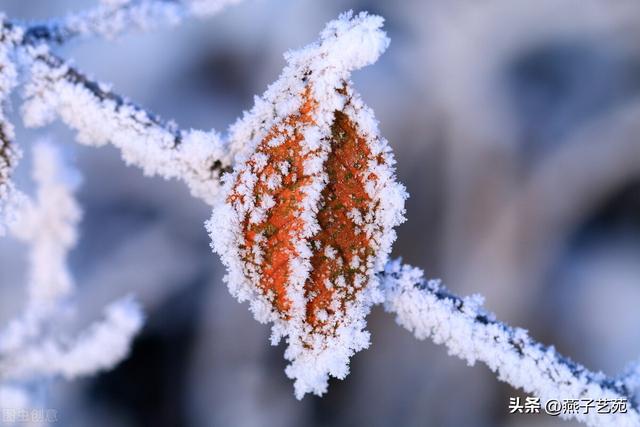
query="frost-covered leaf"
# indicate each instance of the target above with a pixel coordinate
(309, 211)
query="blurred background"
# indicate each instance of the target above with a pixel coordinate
(515, 125)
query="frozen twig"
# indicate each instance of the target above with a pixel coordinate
(100, 116)
(429, 310)
(9, 154)
(34, 346)
(103, 345)
(631, 379)
(113, 17)
(57, 90)
(49, 226)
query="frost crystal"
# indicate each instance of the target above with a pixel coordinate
(311, 205)
(10, 198)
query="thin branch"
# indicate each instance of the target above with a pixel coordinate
(101, 116)
(429, 310)
(100, 347)
(9, 154)
(631, 379)
(9, 196)
(34, 345)
(113, 18)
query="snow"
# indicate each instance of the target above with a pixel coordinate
(631, 379)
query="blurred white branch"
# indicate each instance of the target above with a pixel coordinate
(114, 17)
(34, 347)
(49, 226)
(102, 346)
(429, 310)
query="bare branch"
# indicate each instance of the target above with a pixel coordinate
(429, 310)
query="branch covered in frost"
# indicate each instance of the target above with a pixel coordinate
(34, 346)
(114, 17)
(49, 226)
(100, 116)
(429, 310)
(9, 154)
(9, 196)
(631, 379)
(99, 348)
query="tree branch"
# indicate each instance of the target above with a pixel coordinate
(112, 19)
(100, 116)
(429, 310)
(9, 154)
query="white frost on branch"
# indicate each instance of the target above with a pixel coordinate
(102, 346)
(99, 116)
(428, 310)
(48, 225)
(111, 18)
(631, 379)
(34, 346)
(10, 198)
